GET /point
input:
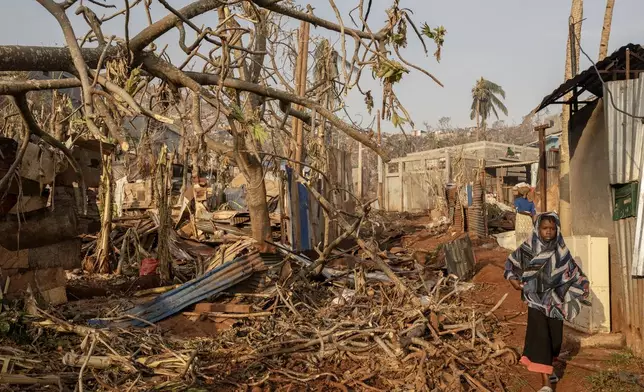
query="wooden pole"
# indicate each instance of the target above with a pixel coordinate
(297, 129)
(499, 187)
(303, 57)
(360, 180)
(543, 165)
(484, 190)
(572, 54)
(381, 175)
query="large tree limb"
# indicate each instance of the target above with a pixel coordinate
(58, 12)
(47, 59)
(314, 20)
(58, 59)
(154, 31)
(19, 87)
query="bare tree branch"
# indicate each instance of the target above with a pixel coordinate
(6, 180)
(314, 20)
(151, 33)
(18, 87)
(79, 63)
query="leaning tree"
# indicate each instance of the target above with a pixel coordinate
(252, 82)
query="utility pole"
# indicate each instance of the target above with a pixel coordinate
(572, 67)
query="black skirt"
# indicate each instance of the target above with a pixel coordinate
(543, 340)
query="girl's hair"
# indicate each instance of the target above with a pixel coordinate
(548, 218)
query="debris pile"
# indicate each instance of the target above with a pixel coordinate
(364, 334)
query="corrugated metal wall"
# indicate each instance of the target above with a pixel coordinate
(625, 143)
(625, 148)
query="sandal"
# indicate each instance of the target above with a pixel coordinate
(554, 378)
(545, 389)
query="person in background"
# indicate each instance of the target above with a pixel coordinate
(553, 286)
(526, 213)
(523, 205)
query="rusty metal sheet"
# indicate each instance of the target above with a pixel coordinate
(459, 257)
(625, 138)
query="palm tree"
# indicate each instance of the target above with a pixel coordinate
(486, 101)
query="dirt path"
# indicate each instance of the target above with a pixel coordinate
(490, 288)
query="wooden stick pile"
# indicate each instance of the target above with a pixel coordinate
(310, 335)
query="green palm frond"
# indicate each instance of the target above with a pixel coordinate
(494, 111)
(497, 103)
(494, 88)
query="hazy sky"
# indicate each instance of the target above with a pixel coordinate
(519, 44)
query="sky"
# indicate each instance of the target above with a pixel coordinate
(518, 44)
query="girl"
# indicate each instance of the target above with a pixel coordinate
(553, 286)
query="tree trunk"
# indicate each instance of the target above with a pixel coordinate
(253, 171)
(257, 206)
(565, 214)
(163, 189)
(478, 120)
(608, 18)
(103, 243)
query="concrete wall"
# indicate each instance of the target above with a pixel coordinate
(590, 193)
(589, 179)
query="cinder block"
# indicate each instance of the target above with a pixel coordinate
(14, 259)
(45, 284)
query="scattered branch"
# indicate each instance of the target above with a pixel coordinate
(6, 180)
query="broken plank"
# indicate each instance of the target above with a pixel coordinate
(207, 307)
(20, 379)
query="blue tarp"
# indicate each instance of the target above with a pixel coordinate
(304, 217)
(303, 194)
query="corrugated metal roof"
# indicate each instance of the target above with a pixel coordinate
(590, 81)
